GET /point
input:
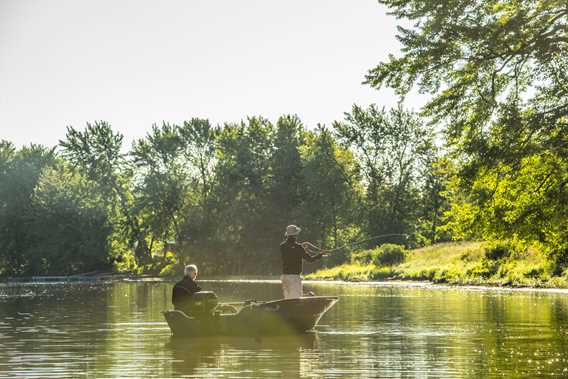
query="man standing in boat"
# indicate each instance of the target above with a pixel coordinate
(185, 288)
(293, 253)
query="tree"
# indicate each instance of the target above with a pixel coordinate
(332, 190)
(287, 187)
(497, 73)
(396, 152)
(242, 189)
(162, 184)
(198, 147)
(19, 174)
(197, 234)
(70, 232)
(96, 153)
(49, 221)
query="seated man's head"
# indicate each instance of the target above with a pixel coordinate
(292, 231)
(190, 271)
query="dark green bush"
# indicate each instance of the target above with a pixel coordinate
(559, 258)
(534, 272)
(499, 250)
(389, 255)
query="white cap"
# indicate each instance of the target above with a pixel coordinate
(292, 230)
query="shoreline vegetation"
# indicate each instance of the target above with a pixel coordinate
(441, 266)
(454, 263)
(485, 265)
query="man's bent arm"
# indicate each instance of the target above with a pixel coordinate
(311, 258)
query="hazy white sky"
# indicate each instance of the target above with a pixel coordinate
(135, 63)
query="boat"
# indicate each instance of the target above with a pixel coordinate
(250, 318)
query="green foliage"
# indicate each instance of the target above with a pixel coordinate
(96, 154)
(350, 272)
(171, 266)
(242, 188)
(386, 255)
(389, 255)
(126, 261)
(456, 263)
(364, 257)
(332, 186)
(49, 222)
(498, 250)
(398, 157)
(161, 185)
(497, 73)
(20, 171)
(220, 197)
(483, 269)
(70, 232)
(171, 270)
(287, 188)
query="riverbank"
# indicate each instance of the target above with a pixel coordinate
(460, 263)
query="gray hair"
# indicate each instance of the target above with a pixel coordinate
(190, 269)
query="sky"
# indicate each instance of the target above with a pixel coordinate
(136, 63)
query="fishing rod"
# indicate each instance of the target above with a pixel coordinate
(358, 242)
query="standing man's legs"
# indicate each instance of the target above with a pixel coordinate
(291, 286)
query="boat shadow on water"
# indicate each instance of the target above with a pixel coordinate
(201, 355)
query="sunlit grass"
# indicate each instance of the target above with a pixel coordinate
(352, 272)
(447, 262)
(462, 263)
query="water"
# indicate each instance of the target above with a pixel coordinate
(117, 330)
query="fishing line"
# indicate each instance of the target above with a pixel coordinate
(365, 240)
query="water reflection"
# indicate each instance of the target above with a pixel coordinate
(286, 356)
(117, 330)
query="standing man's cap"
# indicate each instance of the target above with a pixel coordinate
(292, 230)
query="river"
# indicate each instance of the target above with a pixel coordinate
(111, 330)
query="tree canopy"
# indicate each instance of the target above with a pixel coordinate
(496, 72)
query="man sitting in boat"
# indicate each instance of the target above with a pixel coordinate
(293, 254)
(184, 289)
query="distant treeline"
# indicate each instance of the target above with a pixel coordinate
(218, 196)
(221, 196)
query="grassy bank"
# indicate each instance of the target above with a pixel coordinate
(463, 263)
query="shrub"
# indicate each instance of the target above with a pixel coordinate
(382, 273)
(389, 255)
(498, 250)
(558, 255)
(125, 260)
(534, 272)
(363, 257)
(485, 269)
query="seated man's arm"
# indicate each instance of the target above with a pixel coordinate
(196, 288)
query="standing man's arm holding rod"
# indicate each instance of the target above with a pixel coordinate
(310, 247)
